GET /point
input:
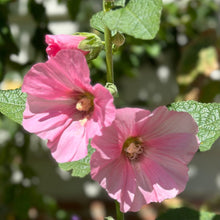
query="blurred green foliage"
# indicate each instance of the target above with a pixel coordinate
(187, 28)
(7, 44)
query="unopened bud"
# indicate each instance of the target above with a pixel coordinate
(91, 43)
(118, 40)
(108, 5)
(112, 89)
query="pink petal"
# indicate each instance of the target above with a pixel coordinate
(92, 128)
(162, 122)
(159, 177)
(180, 146)
(71, 145)
(127, 119)
(104, 107)
(47, 118)
(119, 183)
(104, 111)
(58, 77)
(109, 145)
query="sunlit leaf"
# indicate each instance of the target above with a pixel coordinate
(79, 168)
(12, 104)
(207, 116)
(140, 19)
(96, 21)
(120, 3)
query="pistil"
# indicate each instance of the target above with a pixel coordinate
(85, 104)
(133, 148)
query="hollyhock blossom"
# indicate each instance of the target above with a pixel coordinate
(142, 157)
(63, 107)
(63, 41)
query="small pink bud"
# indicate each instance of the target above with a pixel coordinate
(88, 43)
(62, 41)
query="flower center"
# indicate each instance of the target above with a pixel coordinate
(133, 148)
(85, 103)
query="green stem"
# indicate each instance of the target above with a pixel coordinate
(119, 214)
(108, 45)
(109, 60)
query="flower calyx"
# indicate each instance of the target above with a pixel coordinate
(112, 89)
(91, 43)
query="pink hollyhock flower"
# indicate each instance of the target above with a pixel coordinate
(62, 41)
(142, 157)
(63, 107)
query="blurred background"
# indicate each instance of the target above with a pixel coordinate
(181, 63)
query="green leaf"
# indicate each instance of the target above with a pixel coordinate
(188, 214)
(120, 3)
(79, 168)
(96, 21)
(207, 116)
(12, 104)
(139, 18)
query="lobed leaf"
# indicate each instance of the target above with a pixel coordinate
(12, 104)
(188, 214)
(79, 168)
(139, 18)
(96, 21)
(207, 116)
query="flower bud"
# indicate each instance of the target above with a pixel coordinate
(91, 43)
(118, 40)
(112, 89)
(63, 41)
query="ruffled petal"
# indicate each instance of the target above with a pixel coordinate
(92, 128)
(58, 77)
(119, 183)
(126, 119)
(160, 177)
(47, 118)
(71, 145)
(109, 145)
(162, 122)
(180, 146)
(104, 111)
